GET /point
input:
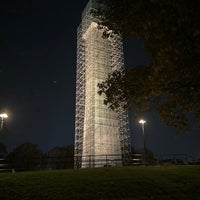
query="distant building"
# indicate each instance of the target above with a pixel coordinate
(102, 136)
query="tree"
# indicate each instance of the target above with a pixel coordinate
(61, 157)
(26, 156)
(3, 150)
(170, 84)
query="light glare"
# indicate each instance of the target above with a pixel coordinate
(142, 121)
(4, 115)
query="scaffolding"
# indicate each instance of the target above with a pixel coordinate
(102, 136)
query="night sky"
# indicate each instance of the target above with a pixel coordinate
(37, 79)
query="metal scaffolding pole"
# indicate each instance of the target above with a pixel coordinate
(101, 135)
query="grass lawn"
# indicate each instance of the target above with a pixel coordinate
(125, 183)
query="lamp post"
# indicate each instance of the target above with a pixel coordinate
(3, 116)
(142, 122)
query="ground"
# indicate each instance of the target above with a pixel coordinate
(138, 183)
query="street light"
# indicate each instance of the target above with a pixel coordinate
(3, 116)
(142, 122)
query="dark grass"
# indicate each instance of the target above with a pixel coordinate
(137, 183)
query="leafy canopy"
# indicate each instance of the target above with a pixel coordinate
(25, 157)
(170, 83)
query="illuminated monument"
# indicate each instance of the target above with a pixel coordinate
(102, 136)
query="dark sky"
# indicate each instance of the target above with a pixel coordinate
(37, 78)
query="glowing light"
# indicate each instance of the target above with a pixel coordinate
(3, 115)
(142, 121)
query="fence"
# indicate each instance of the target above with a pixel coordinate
(36, 163)
(172, 159)
(3, 164)
(89, 161)
(165, 159)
